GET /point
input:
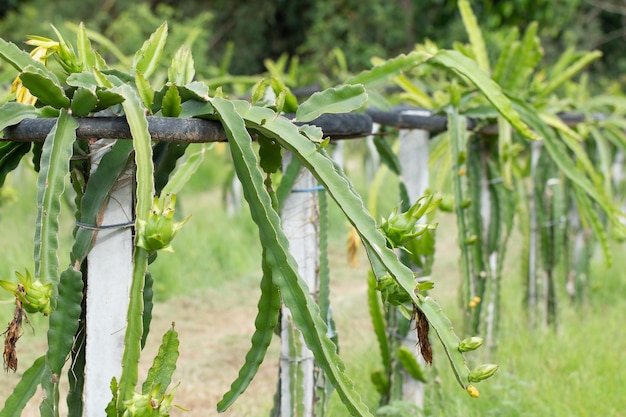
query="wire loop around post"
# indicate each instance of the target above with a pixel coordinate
(308, 190)
(105, 227)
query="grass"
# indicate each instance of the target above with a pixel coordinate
(574, 370)
(209, 287)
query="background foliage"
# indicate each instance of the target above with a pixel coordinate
(314, 31)
(235, 38)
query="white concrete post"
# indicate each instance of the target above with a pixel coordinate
(300, 221)
(110, 271)
(414, 155)
(372, 161)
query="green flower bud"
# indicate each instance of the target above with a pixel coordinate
(398, 228)
(380, 381)
(391, 292)
(158, 231)
(401, 228)
(461, 158)
(424, 286)
(149, 405)
(138, 405)
(470, 344)
(482, 372)
(37, 298)
(34, 295)
(447, 204)
(471, 240)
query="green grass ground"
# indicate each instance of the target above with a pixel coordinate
(575, 371)
(210, 284)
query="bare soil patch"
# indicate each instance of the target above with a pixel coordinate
(214, 327)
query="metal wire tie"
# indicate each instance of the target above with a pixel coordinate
(308, 190)
(104, 227)
(298, 359)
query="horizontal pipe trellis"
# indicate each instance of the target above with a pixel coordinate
(172, 129)
(410, 117)
(194, 130)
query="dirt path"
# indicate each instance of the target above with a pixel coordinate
(215, 338)
(215, 328)
(214, 331)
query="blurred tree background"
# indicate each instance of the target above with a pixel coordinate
(235, 36)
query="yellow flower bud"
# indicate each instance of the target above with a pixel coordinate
(474, 302)
(472, 391)
(41, 54)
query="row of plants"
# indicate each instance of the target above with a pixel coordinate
(548, 186)
(86, 85)
(563, 191)
(460, 83)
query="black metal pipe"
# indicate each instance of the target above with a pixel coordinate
(344, 125)
(167, 129)
(410, 117)
(192, 130)
(172, 129)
